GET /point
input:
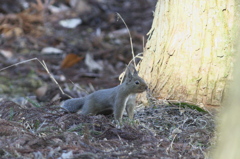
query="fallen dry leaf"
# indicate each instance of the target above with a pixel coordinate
(70, 60)
(92, 64)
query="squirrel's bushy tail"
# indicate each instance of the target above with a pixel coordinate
(73, 105)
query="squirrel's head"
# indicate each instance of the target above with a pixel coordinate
(134, 83)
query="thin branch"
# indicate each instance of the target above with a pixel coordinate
(44, 66)
(129, 37)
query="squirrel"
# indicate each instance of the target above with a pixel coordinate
(116, 99)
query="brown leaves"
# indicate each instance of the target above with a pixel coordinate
(70, 60)
(30, 21)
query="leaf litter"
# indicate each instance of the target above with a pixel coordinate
(161, 131)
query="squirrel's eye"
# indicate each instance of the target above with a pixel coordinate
(137, 82)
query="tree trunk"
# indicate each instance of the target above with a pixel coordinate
(228, 130)
(188, 56)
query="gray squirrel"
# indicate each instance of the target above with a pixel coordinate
(116, 99)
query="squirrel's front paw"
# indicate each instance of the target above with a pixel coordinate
(117, 124)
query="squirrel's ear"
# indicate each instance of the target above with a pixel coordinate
(133, 69)
(128, 75)
(135, 72)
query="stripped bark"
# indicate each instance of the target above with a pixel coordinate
(188, 56)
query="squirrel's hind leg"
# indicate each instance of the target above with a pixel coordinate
(88, 109)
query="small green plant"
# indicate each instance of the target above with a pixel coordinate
(77, 128)
(130, 121)
(33, 102)
(11, 114)
(191, 106)
(94, 132)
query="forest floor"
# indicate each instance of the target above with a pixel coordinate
(82, 59)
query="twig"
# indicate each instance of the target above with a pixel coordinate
(129, 37)
(171, 145)
(143, 42)
(44, 66)
(79, 87)
(131, 43)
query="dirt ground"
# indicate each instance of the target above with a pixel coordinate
(82, 59)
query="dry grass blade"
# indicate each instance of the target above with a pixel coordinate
(129, 37)
(44, 66)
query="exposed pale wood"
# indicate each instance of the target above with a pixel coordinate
(188, 56)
